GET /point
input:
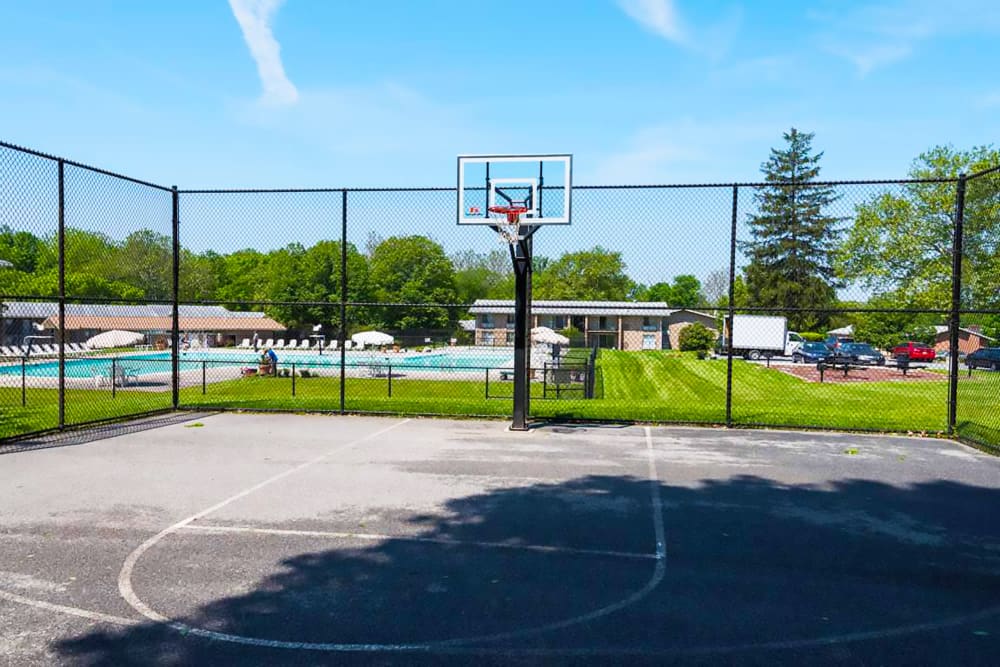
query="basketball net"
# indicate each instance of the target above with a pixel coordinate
(507, 220)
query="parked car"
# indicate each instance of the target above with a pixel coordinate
(856, 353)
(811, 353)
(984, 357)
(914, 351)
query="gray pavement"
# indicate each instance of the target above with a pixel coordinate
(290, 539)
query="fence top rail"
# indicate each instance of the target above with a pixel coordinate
(649, 186)
(984, 172)
(747, 184)
(81, 165)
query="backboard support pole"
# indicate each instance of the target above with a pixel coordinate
(520, 254)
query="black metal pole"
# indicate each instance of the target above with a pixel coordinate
(731, 309)
(114, 376)
(487, 383)
(390, 380)
(62, 293)
(293, 379)
(956, 303)
(519, 253)
(175, 331)
(529, 243)
(24, 390)
(204, 365)
(342, 334)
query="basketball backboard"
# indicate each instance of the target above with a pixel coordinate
(541, 184)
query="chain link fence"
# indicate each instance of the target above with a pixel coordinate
(852, 305)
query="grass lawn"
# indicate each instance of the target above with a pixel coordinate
(636, 386)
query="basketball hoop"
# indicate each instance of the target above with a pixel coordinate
(507, 220)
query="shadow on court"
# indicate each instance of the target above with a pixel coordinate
(755, 573)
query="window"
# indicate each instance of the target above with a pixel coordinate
(487, 321)
(602, 323)
(649, 341)
(488, 338)
(647, 324)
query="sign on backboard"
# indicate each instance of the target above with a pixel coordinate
(540, 184)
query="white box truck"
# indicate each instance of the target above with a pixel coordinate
(755, 336)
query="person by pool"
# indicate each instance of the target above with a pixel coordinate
(269, 360)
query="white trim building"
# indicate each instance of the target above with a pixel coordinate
(620, 325)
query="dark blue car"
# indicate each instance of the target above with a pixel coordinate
(810, 353)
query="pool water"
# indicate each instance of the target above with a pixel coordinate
(159, 362)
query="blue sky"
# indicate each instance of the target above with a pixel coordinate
(206, 93)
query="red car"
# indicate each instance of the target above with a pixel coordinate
(915, 351)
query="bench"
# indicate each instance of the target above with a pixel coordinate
(507, 374)
(841, 365)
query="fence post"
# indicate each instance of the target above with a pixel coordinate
(175, 332)
(731, 310)
(487, 383)
(956, 303)
(62, 293)
(342, 334)
(293, 379)
(204, 364)
(24, 391)
(390, 380)
(114, 375)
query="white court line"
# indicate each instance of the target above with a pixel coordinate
(63, 609)
(125, 576)
(379, 537)
(128, 593)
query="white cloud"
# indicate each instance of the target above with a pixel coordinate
(662, 18)
(876, 36)
(658, 16)
(254, 17)
(683, 151)
(989, 101)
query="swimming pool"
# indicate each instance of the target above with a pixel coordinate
(159, 362)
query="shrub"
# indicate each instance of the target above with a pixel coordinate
(304, 373)
(696, 336)
(576, 338)
(812, 336)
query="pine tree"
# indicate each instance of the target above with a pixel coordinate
(791, 251)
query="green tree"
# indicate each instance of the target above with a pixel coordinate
(412, 270)
(656, 292)
(901, 240)
(22, 249)
(477, 275)
(587, 275)
(791, 251)
(685, 292)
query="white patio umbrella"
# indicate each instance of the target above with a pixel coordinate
(372, 338)
(114, 338)
(548, 336)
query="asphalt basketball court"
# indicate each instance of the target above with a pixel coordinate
(277, 539)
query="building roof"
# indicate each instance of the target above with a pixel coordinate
(186, 323)
(943, 328)
(538, 307)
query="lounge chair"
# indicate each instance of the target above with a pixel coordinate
(348, 344)
(7, 352)
(244, 345)
(332, 345)
(268, 343)
(304, 345)
(280, 345)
